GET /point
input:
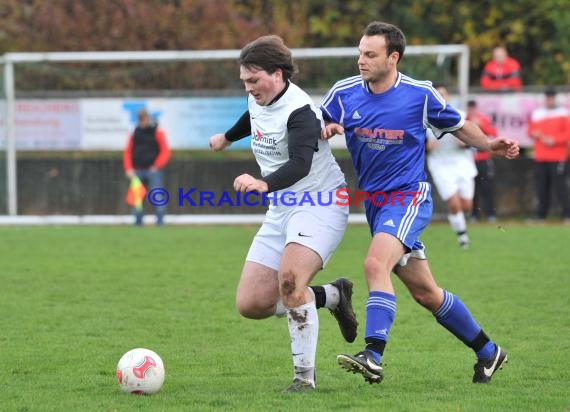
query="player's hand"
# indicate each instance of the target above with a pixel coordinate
(330, 130)
(130, 174)
(248, 183)
(502, 146)
(219, 142)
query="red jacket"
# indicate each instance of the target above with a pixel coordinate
(484, 122)
(553, 124)
(506, 76)
(162, 157)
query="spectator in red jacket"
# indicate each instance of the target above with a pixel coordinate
(484, 198)
(549, 127)
(502, 73)
(146, 154)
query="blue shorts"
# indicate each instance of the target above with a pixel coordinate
(403, 213)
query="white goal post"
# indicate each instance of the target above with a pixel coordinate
(10, 61)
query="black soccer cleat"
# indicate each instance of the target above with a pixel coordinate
(363, 363)
(484, 369)
(343, 313)
(299, 385)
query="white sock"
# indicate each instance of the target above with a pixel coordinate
(331, 301)
(281, 310)
(303, 324)
(333, 296)
(457, 222)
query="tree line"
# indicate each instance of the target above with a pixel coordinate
(536, 33)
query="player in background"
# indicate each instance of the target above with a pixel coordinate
(452, 168)
(484, 198)
(294, 242)
(384, 115)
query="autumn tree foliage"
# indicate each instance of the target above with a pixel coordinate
(536, 33)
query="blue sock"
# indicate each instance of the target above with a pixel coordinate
(456, 318)
(487, 351)
(380, 311)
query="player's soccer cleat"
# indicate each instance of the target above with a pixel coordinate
(299, 385)
(363, 363)
(343, 313)
(463, 241)
(484, 369)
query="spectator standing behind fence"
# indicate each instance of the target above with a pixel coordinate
(502, 73)
(549, 127)
(484, 198)
(146, 155)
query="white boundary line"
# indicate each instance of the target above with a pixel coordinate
(243, 219)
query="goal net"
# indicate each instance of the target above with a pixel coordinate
(65, 119)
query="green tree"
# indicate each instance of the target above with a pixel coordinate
(536, 33)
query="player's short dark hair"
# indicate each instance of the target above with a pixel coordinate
(268, 53)
(395, 38)
(471, 103)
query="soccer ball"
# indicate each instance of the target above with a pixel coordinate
(140, 371)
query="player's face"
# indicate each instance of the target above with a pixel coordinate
(499, 54)
(144, 120)
(373, 62)
(550, 101)
(262, 86)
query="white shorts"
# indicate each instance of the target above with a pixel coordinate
(317, 227)
(448, 184)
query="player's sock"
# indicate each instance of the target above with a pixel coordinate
(380, 311)
(320, 296)
(457, 222)
(326, 296)
(456, 318)
(304, 331)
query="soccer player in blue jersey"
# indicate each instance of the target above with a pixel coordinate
(384, 115)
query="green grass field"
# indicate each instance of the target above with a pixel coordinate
(74, 299)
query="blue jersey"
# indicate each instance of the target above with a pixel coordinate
(386, 132)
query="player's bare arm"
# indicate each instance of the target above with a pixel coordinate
(472, 135)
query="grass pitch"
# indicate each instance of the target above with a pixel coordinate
(74, 299)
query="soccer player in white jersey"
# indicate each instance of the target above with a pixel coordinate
(384, 115)
(452, 166)
(297, 237)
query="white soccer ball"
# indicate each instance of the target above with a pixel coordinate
(140, 371)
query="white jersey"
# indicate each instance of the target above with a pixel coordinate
(450, 156)
(269, 142)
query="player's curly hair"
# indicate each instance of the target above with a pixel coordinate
(268, 53)
(395, 38)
